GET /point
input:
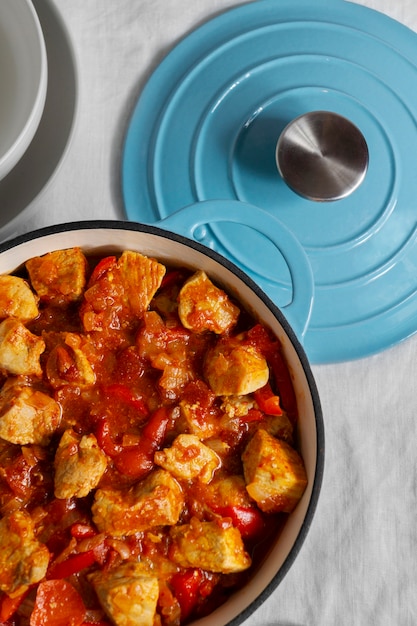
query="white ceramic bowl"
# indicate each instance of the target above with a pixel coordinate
(99, 237)
(23, 79)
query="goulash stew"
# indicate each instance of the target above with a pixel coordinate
(147, 442)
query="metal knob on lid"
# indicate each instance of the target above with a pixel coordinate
(322, 156)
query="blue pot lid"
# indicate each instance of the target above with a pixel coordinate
(205, 128)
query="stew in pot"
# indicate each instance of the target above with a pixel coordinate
(147, 442)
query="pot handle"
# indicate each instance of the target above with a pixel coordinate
(187, 220)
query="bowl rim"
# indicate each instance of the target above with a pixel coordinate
(304, 362)
(27, 131)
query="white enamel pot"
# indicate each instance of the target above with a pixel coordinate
(168, 247)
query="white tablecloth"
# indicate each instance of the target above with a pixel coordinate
(358, 565)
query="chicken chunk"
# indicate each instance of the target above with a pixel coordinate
(17, 299)
(59, 276)
(142, 277)
(157, 500)
(68, 364)
(199, 423)
(121, 295)
(274, 473)
(20, 350)
(23, 559)
(204, 307)
(213, 546)
(166, 350)
(280, 426)
(79, 465)
(237, 406)
(233, 368)
(27, 415)
(228, 491)
(188, 458)
(128, 594)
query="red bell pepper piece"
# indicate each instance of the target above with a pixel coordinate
(172, 277)
(253, 415)
(102, 267)
(248, 520)
(270, 348)
(121, 393)
(74, 564)
(137, 461)
(259, 338)
(8, 606)
(59, 511)
(284, 384)
(267, 401)
(57, 603)
(185, 587)
(79, 530)
(18, 476)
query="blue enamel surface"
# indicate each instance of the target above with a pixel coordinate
(191, 222)
(205, 128)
